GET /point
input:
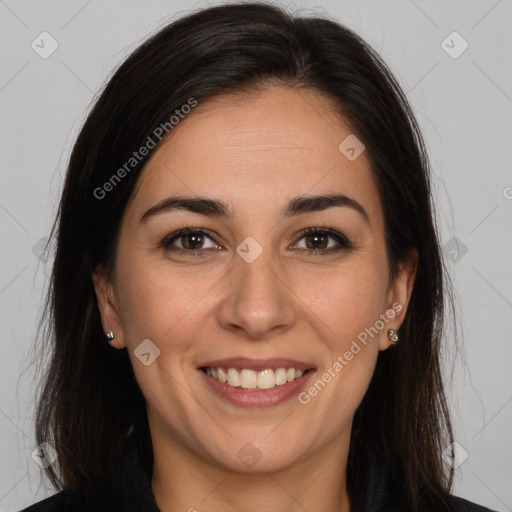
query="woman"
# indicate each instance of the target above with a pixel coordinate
(247, 296)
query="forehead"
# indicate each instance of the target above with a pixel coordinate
(257, 150)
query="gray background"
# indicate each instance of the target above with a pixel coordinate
(463, 105)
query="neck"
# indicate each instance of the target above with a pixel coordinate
(184, 480)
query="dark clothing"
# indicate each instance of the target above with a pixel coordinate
(130, 491)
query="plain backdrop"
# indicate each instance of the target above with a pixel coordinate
(460, 86)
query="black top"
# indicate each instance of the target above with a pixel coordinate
(130, 491)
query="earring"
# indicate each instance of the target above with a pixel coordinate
(393, 335)
(110, 335)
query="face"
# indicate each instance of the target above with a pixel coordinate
(251, 284)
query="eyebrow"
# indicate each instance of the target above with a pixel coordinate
(215, 208)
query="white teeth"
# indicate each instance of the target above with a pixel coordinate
(280, 376)
(247, 379)
(233, 378)
(266, 379)
(222, 375)
(251, 379)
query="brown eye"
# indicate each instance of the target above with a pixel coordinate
(189, 241)
(317, 241)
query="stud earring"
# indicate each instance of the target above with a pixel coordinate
(110, 335)
(393, 335)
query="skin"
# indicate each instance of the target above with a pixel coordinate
(254, 153)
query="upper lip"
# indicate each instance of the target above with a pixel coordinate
(256, 364)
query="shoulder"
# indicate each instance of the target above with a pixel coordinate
(57, 502)
(463, 505)
(64, 502)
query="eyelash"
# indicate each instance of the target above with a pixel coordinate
(345, 244)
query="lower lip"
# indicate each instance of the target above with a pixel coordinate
(257, 397)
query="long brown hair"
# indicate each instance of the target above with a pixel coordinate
(90, 399)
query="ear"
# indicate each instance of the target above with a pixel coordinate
(107, 306)
(399, 294)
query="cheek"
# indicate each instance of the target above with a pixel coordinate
(161, 299)
(348, 300)
(159, 302)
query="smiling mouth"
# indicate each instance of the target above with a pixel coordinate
(251, 379)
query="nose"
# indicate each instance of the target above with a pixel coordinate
(259, 303)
